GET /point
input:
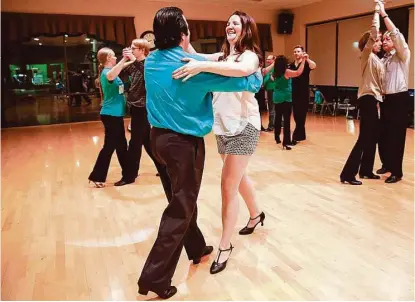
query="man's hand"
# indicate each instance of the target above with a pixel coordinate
(192, 68)
(128, 54)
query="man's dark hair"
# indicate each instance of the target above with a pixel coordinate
(299, 46)
(168, 27)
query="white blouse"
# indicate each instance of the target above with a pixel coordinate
(234, 110)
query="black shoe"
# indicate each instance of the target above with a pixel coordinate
(352, 182)
(278, 140)
(270, 129)
(166, 294)
(208, 249)
(246, 230)
(371, 176)
(382, 171)
(123, 182)
(217, 267)
(262, 128)
(392, 179)
(158, 174)
(294, 142)
(284, 146)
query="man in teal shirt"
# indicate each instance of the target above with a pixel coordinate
(181, 114)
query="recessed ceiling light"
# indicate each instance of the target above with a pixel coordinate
(36, 39)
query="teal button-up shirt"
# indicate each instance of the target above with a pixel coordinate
(186, 107)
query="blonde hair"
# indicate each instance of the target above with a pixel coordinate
(142, 44)
(102, 57)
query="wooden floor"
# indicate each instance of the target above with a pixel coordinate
(63, 240)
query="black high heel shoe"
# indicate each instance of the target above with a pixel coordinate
(166, 294)
(286, 147)
(97, 184)
(247, 230)
(217, 267)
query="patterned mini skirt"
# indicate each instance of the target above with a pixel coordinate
(242, 144)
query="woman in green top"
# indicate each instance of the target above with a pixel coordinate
(112, 113)
(282, 97)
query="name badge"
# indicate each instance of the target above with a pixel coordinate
(121, 89)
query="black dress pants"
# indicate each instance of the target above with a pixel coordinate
(363, 152)
(181, 159)
(393, 119)
(140, 136)
(114, 141)
(283, 110)
(300, 108)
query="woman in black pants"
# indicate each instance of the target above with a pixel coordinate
(282, 97)
(112, 113)
(369, 94)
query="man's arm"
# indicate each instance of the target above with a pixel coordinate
(216, 83)
(398, 39)
(209, 57)
(311, 64)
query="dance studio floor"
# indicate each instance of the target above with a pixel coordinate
(64, 240)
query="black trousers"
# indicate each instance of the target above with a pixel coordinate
(181, 159)
(363, 152)
(283, 110)
(393, 119)
(140, 136)
(114, 141)
(300, 108)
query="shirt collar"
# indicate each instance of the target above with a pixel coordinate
(391, 53)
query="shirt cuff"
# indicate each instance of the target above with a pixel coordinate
(394, 32)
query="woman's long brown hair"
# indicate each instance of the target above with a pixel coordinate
(249, 39)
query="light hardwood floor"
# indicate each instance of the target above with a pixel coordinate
(64, 240)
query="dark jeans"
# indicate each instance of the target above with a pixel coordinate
(114, 141)
(363, 152)
(300, 108)
(271, 109)
(140, 136)
(283, 110)
(393, 119)
(181, 159)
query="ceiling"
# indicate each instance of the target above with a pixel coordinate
(273, 4)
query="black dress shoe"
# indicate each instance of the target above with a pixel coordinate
(123, 182)
(352, 182)
(392, 179)
(294, 142)
(278, 140)
(208, 249)
(165, 294)
(382, 171)
(217, 267)
(246, 230)
(371, 176)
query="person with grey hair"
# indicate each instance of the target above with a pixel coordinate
(393, 110)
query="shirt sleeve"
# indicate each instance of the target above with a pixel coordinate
(210, 82)
(402, 49)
